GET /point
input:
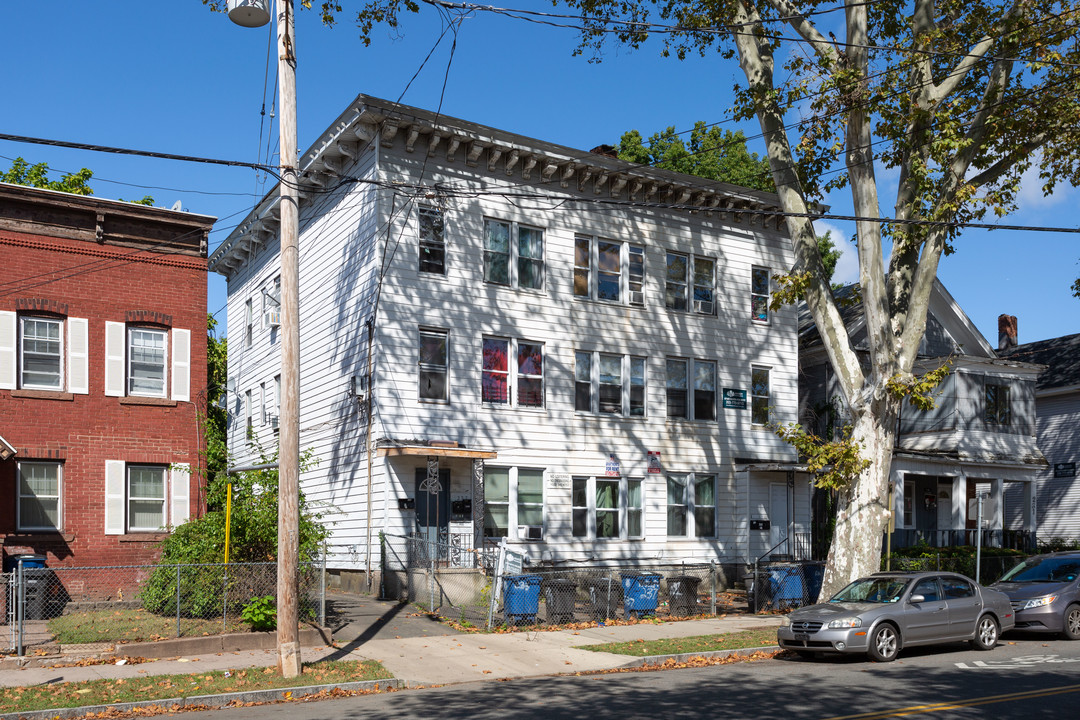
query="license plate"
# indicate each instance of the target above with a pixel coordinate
(803, 637)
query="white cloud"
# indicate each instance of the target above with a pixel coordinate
(1031, 195)
(847, 267)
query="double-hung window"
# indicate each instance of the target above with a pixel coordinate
(513, 254)
(759, 395)
(609, 270)
(759, 294)
(142, 497)
(691, 505)
(271, 299)
(998, 409)
(607, 508)
(249, 323)
(434, 366)
(514, 502)
(520, 382)
(147, 361)
(38, 508)
(688, 274)
(432, 241)
(691, 389)
(618, 384)
(146, 498)
(42, 353)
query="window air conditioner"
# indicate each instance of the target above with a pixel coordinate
(272, 420)
(530, 532)
(705, 307)
(637, 297)
(273, 317)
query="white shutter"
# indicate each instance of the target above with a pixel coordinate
(78, 356)
(114, 497)
(7, 350)
(181, 365)
(115, 344)
(180, 482)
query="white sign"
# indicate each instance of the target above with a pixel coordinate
(559, 481)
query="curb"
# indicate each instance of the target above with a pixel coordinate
(684, 657)
(207, 701)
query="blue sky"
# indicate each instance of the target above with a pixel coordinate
(174, 77)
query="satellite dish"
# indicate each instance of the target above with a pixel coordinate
(249, 13)
(176, 206)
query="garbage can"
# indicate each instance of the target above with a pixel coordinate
(560, 596)
(605, 596)
(521, 598)
(36, 583)
(786, 585)
(641, 591)
(683, 594)
(813, 575)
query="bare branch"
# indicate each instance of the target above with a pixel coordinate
(806, 29)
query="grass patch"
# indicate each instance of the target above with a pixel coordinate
(133, 625)
(757, 637)
(164, 687)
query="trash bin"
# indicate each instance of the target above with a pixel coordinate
(521, 598)
(683, 594)
(641, 591)
(813, 575)
(605, 596)
(36, 582)
(786, 586)
(561, 598)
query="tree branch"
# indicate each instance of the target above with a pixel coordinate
(974, 56)
(806, 29)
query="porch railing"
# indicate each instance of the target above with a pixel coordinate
(1010, 539)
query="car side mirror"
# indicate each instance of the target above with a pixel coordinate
(916, 599)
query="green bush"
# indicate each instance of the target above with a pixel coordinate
(261, 613)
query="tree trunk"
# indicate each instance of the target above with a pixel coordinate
(862, 509)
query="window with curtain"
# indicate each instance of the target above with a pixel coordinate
(434, 361)
(675, 286)
(146, 498)
(39, 496)
(759, 395)
(609, 270)
(41, 359)
(530, 497)
(759, 294)
(147, 350)
(607, 508)
(496, 502)
(513, 254)
(432, 242)
(691, 505)
(676, 505)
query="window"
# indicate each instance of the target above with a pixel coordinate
(998, 411)
(499, 381)
(680, 401)
(434, 357)
(513, 255)
(691, 505)
(759, 294)
(956, 588)
(264, 403)
(619, 384)
(606, 507)
(759, 396)
(39, 496)
(277, 403)
(609, 270)
(928, 588)
(271, 301)
(146, 498)
(684, 272)
(249, 409)
(909, 503)
(514, 498)
(432, 242)
(41, 350)
(147, 349)
(249, 320)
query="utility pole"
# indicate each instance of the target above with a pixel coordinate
(288, 555)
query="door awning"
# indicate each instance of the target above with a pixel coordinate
(436, 451)
(6, 449)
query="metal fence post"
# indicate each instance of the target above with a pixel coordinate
(20, 606)
(431, 580)
(178, 600)
(225, 600)
(712, 574)
(322, 590)
(756, 589)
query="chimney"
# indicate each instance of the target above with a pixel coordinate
(1006, 332)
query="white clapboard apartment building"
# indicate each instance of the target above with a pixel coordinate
(504, 337)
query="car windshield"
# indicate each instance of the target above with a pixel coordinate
(872, 590)
(1044, 570)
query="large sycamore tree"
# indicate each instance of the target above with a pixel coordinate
(953, 99)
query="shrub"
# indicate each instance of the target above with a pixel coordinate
(261, 613)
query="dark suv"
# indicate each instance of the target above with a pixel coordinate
(1045, 593)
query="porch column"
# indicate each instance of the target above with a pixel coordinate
(478, 503)
(1028, 513)
(997, 503)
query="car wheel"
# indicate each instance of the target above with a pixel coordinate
(884, 643)
(1072, 622)
(986, 633)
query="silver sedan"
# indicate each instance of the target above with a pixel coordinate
(886, 612)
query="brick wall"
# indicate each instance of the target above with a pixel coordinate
(102, 283)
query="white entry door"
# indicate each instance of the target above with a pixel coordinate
(778, 519)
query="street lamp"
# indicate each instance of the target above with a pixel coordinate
(253, 13)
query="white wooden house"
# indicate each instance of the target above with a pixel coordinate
(556, 347)
(980, 438)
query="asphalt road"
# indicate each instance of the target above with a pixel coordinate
(1025, 677)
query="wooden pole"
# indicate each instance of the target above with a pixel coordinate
(288, 634)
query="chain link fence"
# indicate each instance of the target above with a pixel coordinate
(138, 603)
(990, 568)
(462, 584)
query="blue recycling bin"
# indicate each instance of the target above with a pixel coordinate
(813, 574)
(786, 586)
(641, 591)
(521, 598)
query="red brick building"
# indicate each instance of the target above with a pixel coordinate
(102, 375)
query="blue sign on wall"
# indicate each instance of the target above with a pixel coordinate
(734, 399)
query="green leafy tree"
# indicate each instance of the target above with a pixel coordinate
(23, 173)
(712, 153)
(957, 99)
